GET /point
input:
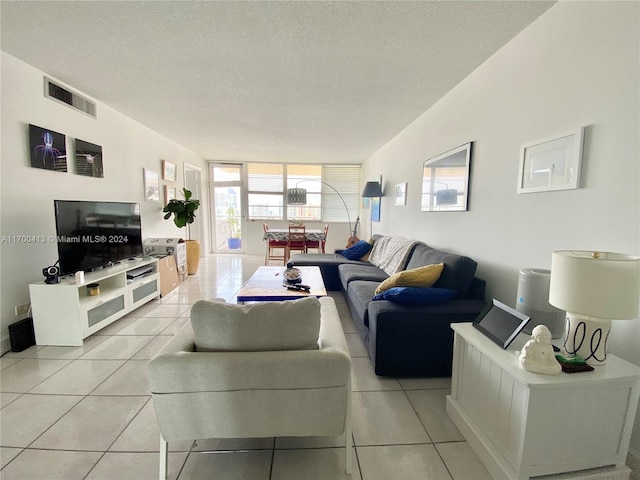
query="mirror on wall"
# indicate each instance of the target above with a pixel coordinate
(445, 181)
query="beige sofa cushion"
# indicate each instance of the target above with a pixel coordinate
(286, 325)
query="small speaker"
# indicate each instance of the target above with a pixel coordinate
(51, 274)
(22, 335)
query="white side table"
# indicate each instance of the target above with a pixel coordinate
(523, 424)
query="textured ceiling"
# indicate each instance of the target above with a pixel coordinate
(265, 81)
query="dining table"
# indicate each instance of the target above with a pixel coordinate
(282, 235)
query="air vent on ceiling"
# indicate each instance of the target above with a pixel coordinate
(61, 94)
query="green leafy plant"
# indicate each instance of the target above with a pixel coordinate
(233, 222)
(183, 210)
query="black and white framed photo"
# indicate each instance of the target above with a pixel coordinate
(89, 159)
(552, 163)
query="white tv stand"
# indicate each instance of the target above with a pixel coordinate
(524, 425)
(64, 315)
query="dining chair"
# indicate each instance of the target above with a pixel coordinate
(296, 241)
(276, 249)
(318, 245)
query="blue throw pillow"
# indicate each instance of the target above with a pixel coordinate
(416, 295)
(357, 250)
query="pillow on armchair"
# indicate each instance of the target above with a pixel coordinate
(265, 326)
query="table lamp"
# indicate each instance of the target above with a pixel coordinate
(593, 288)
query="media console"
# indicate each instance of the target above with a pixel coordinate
(64, 314)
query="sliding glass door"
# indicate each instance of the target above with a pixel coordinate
(227, 193)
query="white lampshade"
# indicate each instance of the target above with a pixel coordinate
(595, 284)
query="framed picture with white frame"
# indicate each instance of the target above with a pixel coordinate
(400, 194)
(552, 163)
(151, 185)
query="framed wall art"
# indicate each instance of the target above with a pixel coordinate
(88, 159)
(168, 171)
(151, 185)
(375, 209)
(376, 203)
(552, 163)
(400, 194)
(169, 193)
(48, 149)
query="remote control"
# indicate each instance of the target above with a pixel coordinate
(298, 287)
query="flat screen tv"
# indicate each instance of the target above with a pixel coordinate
(96, 234)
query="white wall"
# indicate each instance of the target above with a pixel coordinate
(27, 193)
(578, 64)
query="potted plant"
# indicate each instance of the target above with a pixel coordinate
(183, 212)
(233, 242)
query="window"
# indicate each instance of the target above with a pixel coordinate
(308, 177)
(268, 183)
(265, 185)
(346, 180)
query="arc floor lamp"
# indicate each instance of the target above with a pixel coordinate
(298, 196)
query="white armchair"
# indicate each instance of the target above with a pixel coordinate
(239, 389)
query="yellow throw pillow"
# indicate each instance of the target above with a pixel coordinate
(418, 277)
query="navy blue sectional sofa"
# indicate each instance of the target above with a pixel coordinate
(404, 340)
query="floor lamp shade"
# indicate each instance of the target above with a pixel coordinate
(296, 196)
(372, 189)
(593, 288)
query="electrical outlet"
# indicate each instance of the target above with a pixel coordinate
(22, 309)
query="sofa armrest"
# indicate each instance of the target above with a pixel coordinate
(415, 340)
(477, 289)
(331, 335)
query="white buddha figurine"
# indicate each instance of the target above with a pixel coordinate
(537, 355)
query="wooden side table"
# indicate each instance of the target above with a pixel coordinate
(523, 424)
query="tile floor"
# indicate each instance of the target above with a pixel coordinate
(85, 412)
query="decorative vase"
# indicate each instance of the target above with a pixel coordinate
(193, 256)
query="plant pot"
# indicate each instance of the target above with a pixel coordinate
(234, 243)
(193, 256)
